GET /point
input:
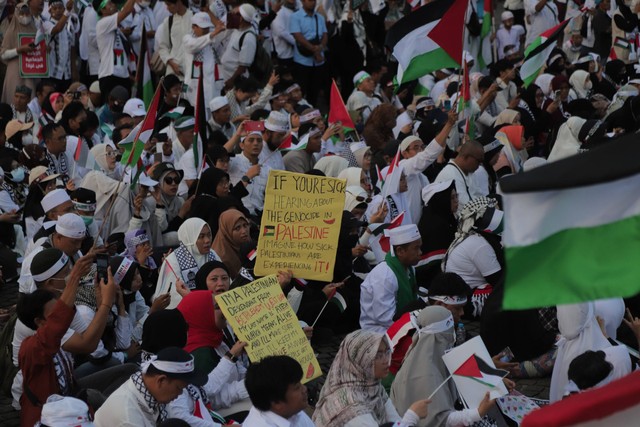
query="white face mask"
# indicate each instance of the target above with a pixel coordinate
(588, 85)
(24, 20)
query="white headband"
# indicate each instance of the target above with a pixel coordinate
(54, 269)
(437, 327)
(493, 144)
(168, 366)
(122, 270)
(309, 116)
(450, 299)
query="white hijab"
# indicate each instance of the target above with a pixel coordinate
(578, 82)
(567, 143)
(580, 332)
(332, 165)
(188, 235)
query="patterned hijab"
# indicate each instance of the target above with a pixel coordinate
(351, 388)
(134, 238)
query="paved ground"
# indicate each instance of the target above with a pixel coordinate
(537, 388)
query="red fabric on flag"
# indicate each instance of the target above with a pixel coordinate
(469, 368)
(337, 110)
(76, 155)
(451, 41)
(384, 240)
(286, 143)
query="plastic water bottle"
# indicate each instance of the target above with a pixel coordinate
(461, 334)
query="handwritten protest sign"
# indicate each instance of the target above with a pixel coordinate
(260, 315)
(300, 225)
(33, 64)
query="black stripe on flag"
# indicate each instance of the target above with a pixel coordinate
(553, 38)
(489, 370)
(608, 162)
(423, 15)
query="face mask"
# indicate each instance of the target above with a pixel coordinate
(24, 20)
(88, 220)
(17, 175)
(588, 85)
(27, 139)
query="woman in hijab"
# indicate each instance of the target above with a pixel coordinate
(396, 202)
(10, 51)
(352, 394)
(233, 231)
(581, 85)
(423, 370)
(558, 101)
(183, 263)
(580, 332)
(138, 248)
(514, 153)
(355, 177)
(356, 200)
(205, 342)
(170, 210)
(107, 189)
(213, 276)
(507, 117)
(437, 227)
(573, 135)
(533, 118)
(105, 157)
(331, 166)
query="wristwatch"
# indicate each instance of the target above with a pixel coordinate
(231, 357)
(245, 179)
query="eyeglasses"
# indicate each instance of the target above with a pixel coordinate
(169, 180)
(111, 154)
(418, 147)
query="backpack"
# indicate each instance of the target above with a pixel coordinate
(261, 67)
(8, 370)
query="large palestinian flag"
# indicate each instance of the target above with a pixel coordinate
(537, 53)
(478, 370)
(428, 39)
(572, 228)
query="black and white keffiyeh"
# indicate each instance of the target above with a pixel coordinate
(188, 265)
(151, 402)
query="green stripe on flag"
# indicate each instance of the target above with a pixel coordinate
(575, 265)
(426, 63)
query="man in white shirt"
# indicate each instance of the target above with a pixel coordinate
(509, 34)
(283, 41)
(251, 146)
(221, 117)
(60, 43)
(391, 285)
(363, 82)
(275, 129)
(460, 170)
(88, 31)
(143, 15)
(278, 396)
(241, 50)
(184, 136)
(113, 46)
(540, 15)
(169, 39)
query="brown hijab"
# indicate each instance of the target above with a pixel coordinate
(227, 249)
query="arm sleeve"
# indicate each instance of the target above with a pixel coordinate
(278, 29)
(421, 161)
(164, 41)
(465, 417)
(381, 301)
(195, 44)
(294, 24)
(141, 312)
(262, 101)
(183, 406)
(123, 332)
(9, 54)
(485, 259)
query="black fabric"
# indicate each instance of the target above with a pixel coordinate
(208, 267)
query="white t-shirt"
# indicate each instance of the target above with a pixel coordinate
(236, 55)
(113, 58)
(473, 260)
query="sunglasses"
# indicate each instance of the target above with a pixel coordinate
(363, 199)
(169, 180)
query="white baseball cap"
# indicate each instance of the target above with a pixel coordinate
(134, 108)
(202, 20)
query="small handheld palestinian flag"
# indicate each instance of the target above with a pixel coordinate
(476, 369)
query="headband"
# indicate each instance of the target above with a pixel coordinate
(450, 299)
(362, 78)
(140, 238)
(125, 265)
(310, 116)
(493, 144)
(292, 88)
(24, 151)
(168, 366)
(54, 269)
(102, 5)
(88, 207)
(554, 58)
(426, 103)
(437, 327)
(593, 130)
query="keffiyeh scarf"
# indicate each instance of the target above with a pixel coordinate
(151, 402)
(188, 265)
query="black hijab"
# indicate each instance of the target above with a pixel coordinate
(208, 267)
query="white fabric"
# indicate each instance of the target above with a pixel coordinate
(210, 49)
(88, 31)
(238, 168)
(283, 41)
(235, 55)
(257, 418)
(403, 234)
(580, 332)
(540, 21)
(170, 45)
(473, 260)
(567, 143)
(410, 418)
(509, 37)
(416, 180)
(464, 182)
(126, 407)
(108, 40)
(378, 299)
(122, 329)
(611, 311)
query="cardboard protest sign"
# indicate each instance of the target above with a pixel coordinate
(260, 315)
(472, 388)
(36, 63)
(300, 225)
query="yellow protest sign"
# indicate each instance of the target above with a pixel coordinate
(260, 315)
(300, 225)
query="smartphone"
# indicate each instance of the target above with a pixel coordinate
(157, 157)
(254, 126)
(507, 355)
(102, 261)
(447, 105)
(556, 94)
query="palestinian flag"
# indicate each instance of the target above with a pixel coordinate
(338, 300)
(400, 328)
(144, 84)
(392, 179)
(612, 54)
(572, 228)
(174, 113)
(338, 111)
(485, 56)
(380, 243)
(428, 39)
(269, 231)
(478, 370)
(615, 404)
(433, 256)
(422, 88)
(287, 143)
(200, 128)
(537, 53)
(40, 33)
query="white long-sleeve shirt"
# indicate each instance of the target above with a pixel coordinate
(283, 41)
(212, 81)
(378, 299)
(257, 418)
(170, 43)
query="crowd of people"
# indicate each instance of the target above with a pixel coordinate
(118, 265)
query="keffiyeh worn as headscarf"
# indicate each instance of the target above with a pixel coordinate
(198, 311)
(351, 388)
(134, 238)
(423, 369)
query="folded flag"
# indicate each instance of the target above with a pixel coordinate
(572, 228)
(479, 370)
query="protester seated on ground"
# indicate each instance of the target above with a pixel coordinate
(171, 210)
(183, 263)
(530, 335)
(476, 253)
(352, 394)
(138, 248)
(424, 370)
(61, 411)
(594, 369)
(233, 231)
(142, 400)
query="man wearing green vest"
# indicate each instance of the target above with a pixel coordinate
(391, 285)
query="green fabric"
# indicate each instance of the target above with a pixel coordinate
(406, 282)
(575, 265)
(205, 359)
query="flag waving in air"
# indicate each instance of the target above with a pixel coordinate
(144, 84)
(337, 110)
(537, 53)
(423, 41)
(479, 370)
(200, 128)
